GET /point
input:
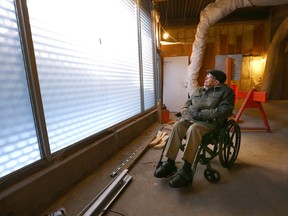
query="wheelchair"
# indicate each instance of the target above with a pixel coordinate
(223, 142)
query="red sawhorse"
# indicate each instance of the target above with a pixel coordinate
(253, 99)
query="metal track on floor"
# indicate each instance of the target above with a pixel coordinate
(104, 199)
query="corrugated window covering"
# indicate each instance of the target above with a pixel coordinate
(18, 139)
(147, 55)
(88, 66)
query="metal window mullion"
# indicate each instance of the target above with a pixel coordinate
(157, 60)
(140, 56)
(145, 8)
(32, 78)
(155, 56)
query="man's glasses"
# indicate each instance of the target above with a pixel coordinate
(210, 76)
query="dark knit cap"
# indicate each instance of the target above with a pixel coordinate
(218, 74)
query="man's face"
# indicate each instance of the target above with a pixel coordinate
(210, 81)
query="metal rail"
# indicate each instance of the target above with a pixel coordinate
(104, 199)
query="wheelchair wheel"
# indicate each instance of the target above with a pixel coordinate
(229, 144)
(212, 175)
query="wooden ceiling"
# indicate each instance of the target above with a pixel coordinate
(187, 12)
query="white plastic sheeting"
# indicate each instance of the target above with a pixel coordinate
(209, 16)
(269, 71)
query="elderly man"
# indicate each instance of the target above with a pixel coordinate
(206, 109)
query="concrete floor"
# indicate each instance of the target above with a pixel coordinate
(256, 185)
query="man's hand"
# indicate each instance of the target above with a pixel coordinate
(181, 112)
(197, 116)
(185, 114)
(178, 114)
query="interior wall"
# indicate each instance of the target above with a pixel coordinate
(248, 39)
(185, 50)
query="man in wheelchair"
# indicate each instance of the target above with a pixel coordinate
(205, 110)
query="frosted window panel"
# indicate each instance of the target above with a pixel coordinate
(88, 65)
(18, 139)
(147, 56)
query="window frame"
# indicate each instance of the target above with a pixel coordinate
(47, 158)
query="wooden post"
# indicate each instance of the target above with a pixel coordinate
(228, 70)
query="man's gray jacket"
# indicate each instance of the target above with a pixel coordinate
(215, 104)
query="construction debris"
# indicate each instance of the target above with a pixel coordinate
(162, 142)
(161, 137)
(158, 138)
(168, 126)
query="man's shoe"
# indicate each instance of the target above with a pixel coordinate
(165, 170)
(181, 179)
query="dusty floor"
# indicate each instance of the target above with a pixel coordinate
(256, 185)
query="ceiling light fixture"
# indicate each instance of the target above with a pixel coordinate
(165, 36)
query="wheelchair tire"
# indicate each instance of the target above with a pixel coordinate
(229, 145)
(212, 175)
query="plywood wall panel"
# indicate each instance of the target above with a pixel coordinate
(231, 49)
(238, 46)
(223, 44)
(248, 32)
(176, 50)
(258, 39)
